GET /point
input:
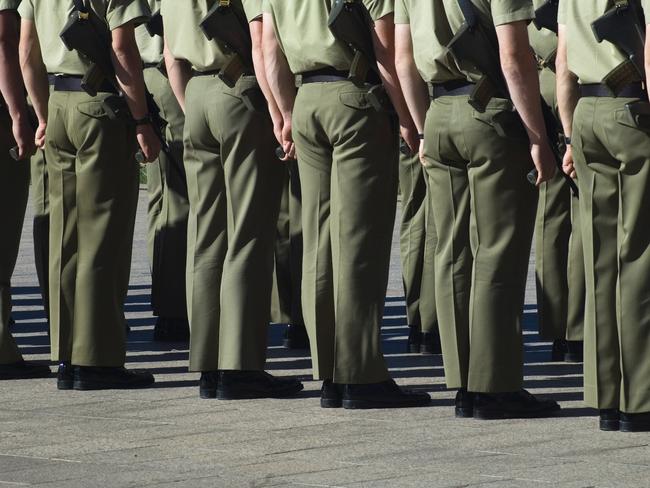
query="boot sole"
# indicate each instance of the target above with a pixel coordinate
(504, 415)
(64, 385)
(254, 394)
(368, 404)
(91, 386)
(464, 412)
(626, 426)
(610, 425)
(331, 403)
(208, 394)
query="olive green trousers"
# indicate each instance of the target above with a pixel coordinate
(612, 158)
(286, 305)
(168, 207)
(348, 159)
(93, 180)
(484, 211)
(559, 268)
(14, 193)
(41, 222)
(234, 185)
(418, 240)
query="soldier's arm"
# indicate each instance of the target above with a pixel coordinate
(11, 84)
(281, 82)
(413, 86)
(179, 72)
(567, 95)
(256, 28)
(35, 75)
(128, 71)
(647, 53)
(384, 43)
(520, 71)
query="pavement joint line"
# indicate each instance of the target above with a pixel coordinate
(14, 483)
(515, 479)
(22, 456)
(119, 419)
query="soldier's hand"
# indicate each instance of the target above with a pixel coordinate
(544, 160)
(410, 136)
(567, 164)
(39, 136)
(24, 136)
(287, 141)
(149, 142)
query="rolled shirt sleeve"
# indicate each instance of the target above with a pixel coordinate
(121, 12)
(401, 12)
(509, 11)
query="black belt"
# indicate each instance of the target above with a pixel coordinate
(212, 72)
(454, 88)
(634, 90)
(150, 65)
(69, 83)
(329, 75)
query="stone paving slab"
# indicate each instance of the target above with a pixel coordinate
(166, 437)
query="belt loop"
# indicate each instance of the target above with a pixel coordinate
(298, 81)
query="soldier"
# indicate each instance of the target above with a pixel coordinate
(168, 204)
(15, 130)
(90, 145)
(235, 185)
(559, 267)
(477, 160)
(287, 306)
(610, 149)
(347, 153)
(418, 241)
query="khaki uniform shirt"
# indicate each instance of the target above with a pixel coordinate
(186, 40)
(151, 48)
(543, 42)
(51, 16)
(434, 23)
(9, 5)
(589, 60)
(305, 39)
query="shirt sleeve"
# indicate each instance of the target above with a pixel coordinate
(26, 9)
(561, 11)
(402, 13)
(266, 7)
(121, 12)
(379, 8)
(252, 8)
(9, 4)
(509, 11)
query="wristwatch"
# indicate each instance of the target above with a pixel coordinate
(147, 119)
(567, 141)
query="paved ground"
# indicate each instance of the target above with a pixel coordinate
(168, 437)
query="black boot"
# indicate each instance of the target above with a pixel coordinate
(24, 370)
(430, 343)
(103, 378)
(171, 330)
(515, 405)
(330, 395)
(64, 376)
(573, 352)
(295, 337)
(635, 422)
(610, 419)
(386, 394)
(240, 385)
(558, 351)
(414, 341)
(464, 404)
(208, 384)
